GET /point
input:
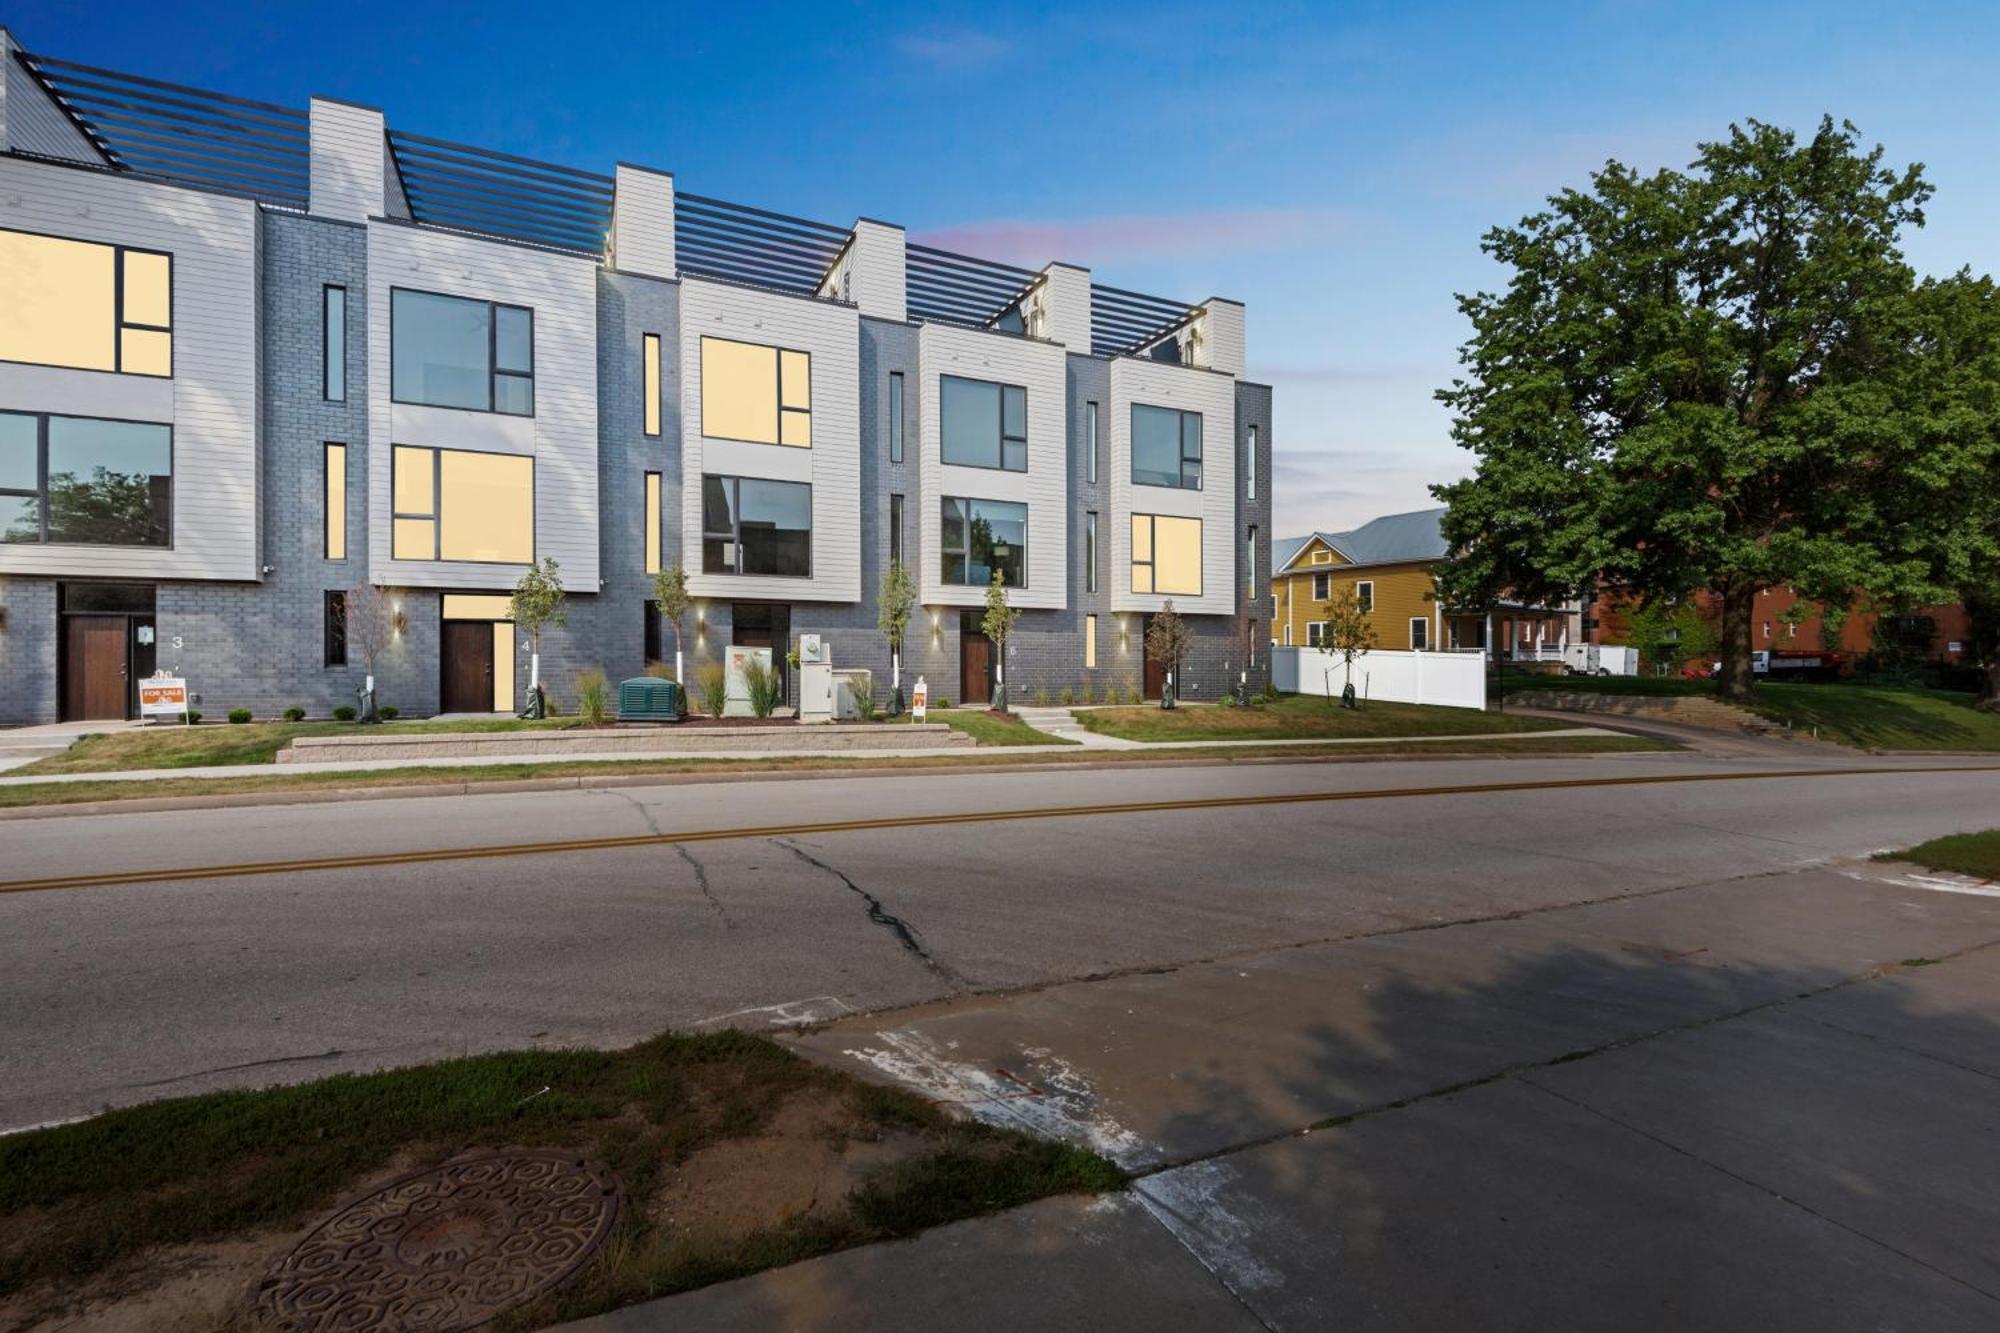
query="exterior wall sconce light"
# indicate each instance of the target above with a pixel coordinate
(1124, 634)
(935, 631)
(701, 626)
(399, 623)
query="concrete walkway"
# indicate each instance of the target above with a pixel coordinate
(858, 757)
(1725, 1106)
(1062, 722)
(20, 746)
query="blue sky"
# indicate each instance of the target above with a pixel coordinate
(1331, 165)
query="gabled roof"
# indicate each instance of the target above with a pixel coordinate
(1393, 539)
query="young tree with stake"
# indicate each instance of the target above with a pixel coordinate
(998, 626)
(537, 604)
(368, 614)
(1168, 641)
(1349, 631)
(895, 602)
(670, 595)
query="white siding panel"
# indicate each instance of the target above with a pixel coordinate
(831, 333)
(345, 163)
(34, 124)
(1007, 359)
(642, 222)
(214, 389)
(878, 270)
(1161, 384)
(562, 291)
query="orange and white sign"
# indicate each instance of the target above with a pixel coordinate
(163, 696)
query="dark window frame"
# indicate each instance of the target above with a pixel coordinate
(1090, 442)
(493, 372)
(896, 409)
(1001, 437)
(118, 321)
(652, 407)
(436, 516)
(328, 518)
(1196, 458)
(735, 535)
(896, 528)
(333, 628)
(1090, 551)
(330, 390)
(946, 551)
(41, 492)
(1365, 600)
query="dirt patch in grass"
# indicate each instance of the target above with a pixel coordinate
(734, 1154)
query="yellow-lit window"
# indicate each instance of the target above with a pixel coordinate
(652, 522)
(1090, 642)
(486, 507)
(452, 504)
(755, 393)
(336, 502)
(85, 305)
(650, 344)
(1166, 555)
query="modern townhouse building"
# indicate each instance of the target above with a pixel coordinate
(257, 360)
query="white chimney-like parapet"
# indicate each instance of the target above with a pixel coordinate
(345, 170)
(642, 222)
(1061, 307)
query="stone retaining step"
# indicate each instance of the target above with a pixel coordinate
(1692, 710)
(664, 741)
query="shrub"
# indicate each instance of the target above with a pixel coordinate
(344, 713)
(592, 696)
(1068, 696)
(862, 687)
(239, 715)
(1085, 694)
(1133, 694)
(295, 714)
(762, 684)
(940, 702)
(388, 712)
(660, 670)
(1041, 696)
(711, 687)
(194, 716)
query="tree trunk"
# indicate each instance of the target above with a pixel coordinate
(1989, 687)
(1739, 606)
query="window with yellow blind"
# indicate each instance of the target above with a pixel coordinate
(1166, 555)
(85, 305)
(652, 522)
(455, 504)
(336, 502)
(650, 358)
(754, 393)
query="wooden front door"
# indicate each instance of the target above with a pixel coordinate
(1156, 670)
(975, 669)
(468, 666)
(96, 682)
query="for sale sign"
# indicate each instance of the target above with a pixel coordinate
(163, 696)
(920, 700)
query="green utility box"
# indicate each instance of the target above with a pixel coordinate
(649, 699)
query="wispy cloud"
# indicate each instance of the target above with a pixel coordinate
(953, 49)
(1128, 236)
(1333, 489)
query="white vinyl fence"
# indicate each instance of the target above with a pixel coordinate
(1452, 680)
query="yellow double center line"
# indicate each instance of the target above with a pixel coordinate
(801, 828)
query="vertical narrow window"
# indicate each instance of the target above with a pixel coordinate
(1090, 643)
(1090, 443)
(335, 613)
(1250, 467)
(650, 345)
(896, 528)
(1420, 633)
(333, 343)
(1364, 594)
(336, 501)
(1090, 551)
(1250, 563)
(895, 416)
(652, 522)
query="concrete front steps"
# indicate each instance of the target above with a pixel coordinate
(639, 742)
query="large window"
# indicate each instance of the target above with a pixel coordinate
(982, 537)
(452, 351)
(895, 416)
(1166, 447)
(453, 504)
(983, 424)
(1166, 555)
(84, 481)
(334, 493)
(755, 393)
(85, 306)
(333, 343)
(752, 526)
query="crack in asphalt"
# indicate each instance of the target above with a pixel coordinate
(701, 882)
(906, 934)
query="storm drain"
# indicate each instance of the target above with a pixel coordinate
(445, 1249)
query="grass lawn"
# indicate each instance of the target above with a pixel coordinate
(470, 777)
(1875, 717)
(988, 727)
(231, 743)
(723, 1133)
(1296, 717)
(1976, 854)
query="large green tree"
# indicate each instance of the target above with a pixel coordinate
(1721, 379)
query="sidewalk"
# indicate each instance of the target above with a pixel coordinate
(857, 757)
(1711, 1107)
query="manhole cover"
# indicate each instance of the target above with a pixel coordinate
(448, 1248)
